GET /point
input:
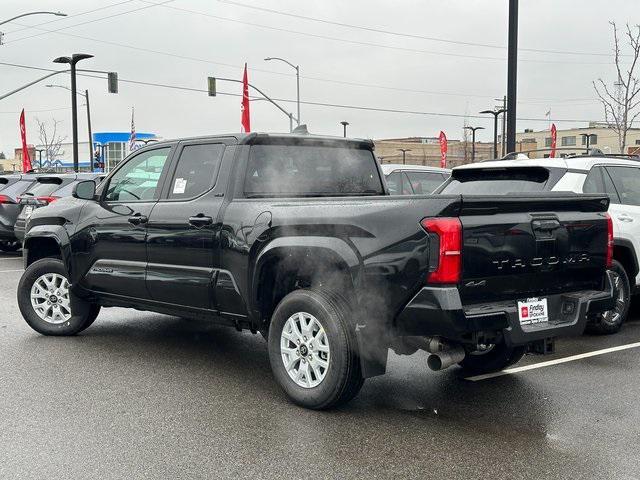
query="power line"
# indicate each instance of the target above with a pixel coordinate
(403, 34)
(79, 14)
(46, 31)
(308, 102)
(369, 44)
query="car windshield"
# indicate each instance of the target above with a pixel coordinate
(496, 181)
(300, 170)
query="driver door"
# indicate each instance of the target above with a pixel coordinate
(114, 229)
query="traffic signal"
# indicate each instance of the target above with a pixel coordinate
(211, 84)
(112, 82)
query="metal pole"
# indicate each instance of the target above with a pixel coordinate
(31, 83)
(495, 135)
(57, 14)
(473, 145)
(290, 123)
(504, 126)
(512, 75)
(74, 116)
(86, 96)
(298, 90)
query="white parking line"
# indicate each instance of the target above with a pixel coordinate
(7, 271)
(550, 363)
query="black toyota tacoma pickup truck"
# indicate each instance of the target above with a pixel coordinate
(297, 237)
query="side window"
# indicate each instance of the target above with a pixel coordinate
(593, 182)
(196, 171)
(138, 179)
(394, 183)
(425, 182)
(406, 185)
(627, 183)
(609, 187)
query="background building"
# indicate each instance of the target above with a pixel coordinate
(426, 151)
(602, 137)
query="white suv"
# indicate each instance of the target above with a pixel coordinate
(617, 176)
(413, 179)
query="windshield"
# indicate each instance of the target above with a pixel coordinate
(296, 170)
(498, 181)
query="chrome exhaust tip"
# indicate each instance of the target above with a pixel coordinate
(446, 358)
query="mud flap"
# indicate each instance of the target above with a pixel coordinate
(373, 349)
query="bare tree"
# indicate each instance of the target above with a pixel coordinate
(620, 104)
(50, 140)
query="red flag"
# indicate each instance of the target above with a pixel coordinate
(443, 150)
(244, 108)
(554, 136)
(26, 160)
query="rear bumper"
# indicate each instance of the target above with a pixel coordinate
(438, 311)
(19, 229)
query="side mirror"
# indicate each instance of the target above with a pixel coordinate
(85, 190)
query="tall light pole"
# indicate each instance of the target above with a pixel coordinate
(344, 128)
(404, 152)
(512, 75)
(40, 150)
(57, 14)
(473, 141)
(297, 69)
(587, 136)
(72, 61)
(86, 98)
(496, 114)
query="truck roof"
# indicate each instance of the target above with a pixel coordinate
(260, 138)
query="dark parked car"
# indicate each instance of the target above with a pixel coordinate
(45, 190)
(11, 187)
(297, 237)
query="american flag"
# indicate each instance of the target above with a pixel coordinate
(132, 137)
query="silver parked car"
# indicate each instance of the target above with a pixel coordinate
(413, 179)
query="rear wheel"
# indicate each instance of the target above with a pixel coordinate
(312, 350)
(492, 358)
(47, 304)
(611, 321)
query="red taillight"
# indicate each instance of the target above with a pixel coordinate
(449, 231)
(5, 200)
(609, 241)
(46, 200)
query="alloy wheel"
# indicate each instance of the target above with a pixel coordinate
(50, 298)
(305, 350)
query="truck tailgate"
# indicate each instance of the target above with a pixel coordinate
(528, 246)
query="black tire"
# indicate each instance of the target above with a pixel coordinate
(611, 321)
(10, 246)
(343, 378)
(497, 358)
(83, 314)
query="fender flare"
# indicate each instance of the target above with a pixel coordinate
(284, 246)
(56, 233)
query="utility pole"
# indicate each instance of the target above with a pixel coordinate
(473, 141)
(86, 97)
(503, 124)
(512, 75)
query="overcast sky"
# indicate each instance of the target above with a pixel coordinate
(399, 72)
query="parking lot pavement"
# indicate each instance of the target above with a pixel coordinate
(144, 395)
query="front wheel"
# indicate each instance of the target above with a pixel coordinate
(312, 349)
(611, 321)
(492, 358)
(47, 304)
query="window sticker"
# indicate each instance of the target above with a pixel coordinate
(179, 186)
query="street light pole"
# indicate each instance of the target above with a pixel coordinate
(40, 150)
(473, 141)
(496, 114)
(512, 75)
(297, 69)
(72, 61)
(586, 136)
(404, 151)
(57, 14)
(344, 128)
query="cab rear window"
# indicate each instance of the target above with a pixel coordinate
(497, 181)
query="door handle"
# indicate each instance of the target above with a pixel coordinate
(138, 219)
(200, 220)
